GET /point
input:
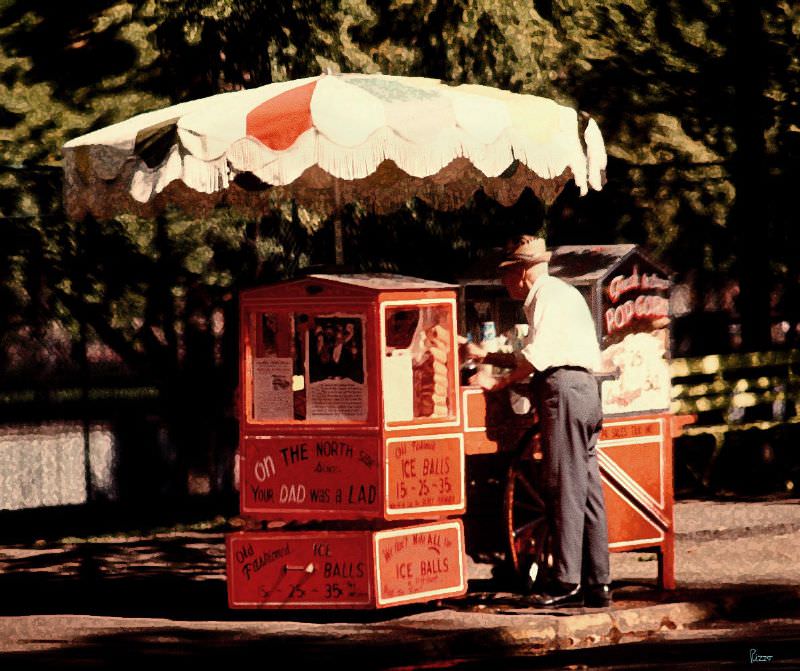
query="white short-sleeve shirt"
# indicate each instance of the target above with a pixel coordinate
(561, 330)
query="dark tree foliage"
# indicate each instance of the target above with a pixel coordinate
(698, 103)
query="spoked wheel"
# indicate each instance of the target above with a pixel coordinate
(527, 524)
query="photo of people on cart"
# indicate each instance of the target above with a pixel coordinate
(336, 350)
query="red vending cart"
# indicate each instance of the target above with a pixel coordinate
(628, 294)
(350, 433)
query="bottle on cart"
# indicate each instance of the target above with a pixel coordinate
(469, 367)
(488, 343)
(520, 336)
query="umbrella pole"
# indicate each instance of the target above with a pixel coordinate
(337, 238)
(545, 218)
(338, 244)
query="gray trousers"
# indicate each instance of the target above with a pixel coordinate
(570, 418)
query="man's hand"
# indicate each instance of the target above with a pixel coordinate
(486, 381)
(469, 350)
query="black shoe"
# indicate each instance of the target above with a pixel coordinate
(597, 596)
(557, 595)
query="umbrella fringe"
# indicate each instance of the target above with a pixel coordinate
(147, 182)
(596, 154)
(205, 176)
(548, 160)
(351, 163)
(285, 166)
(202, 176)
(249, 155)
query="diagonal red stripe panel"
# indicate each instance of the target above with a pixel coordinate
(279, 121)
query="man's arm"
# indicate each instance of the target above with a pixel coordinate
(476, 353)
(519, 365)
(489, 382)
(500, 359)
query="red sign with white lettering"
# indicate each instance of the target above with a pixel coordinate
(420, 563)
(315, 476)
(329, 569)
(319, 477)
(635, 429)
(635, 297)
(285, 570)
(425, 473)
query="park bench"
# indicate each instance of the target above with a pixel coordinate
(743, 402)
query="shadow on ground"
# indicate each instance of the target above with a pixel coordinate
(397, 646)
(183, 577)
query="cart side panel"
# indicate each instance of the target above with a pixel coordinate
(425, 475)
(416, 564)
(300, 570)
(496, 421)
(301, 477)
(346, 569)
(635, 455)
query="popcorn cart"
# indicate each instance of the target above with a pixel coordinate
(628, 295)
(362, 457)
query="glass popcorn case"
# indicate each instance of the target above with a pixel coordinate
(629, 297)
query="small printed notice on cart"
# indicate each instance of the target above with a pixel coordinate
(272, 388)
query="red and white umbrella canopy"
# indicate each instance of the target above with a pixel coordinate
(331, 139)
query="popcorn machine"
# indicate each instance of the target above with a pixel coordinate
(628, 295)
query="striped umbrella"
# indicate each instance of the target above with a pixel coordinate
(333, 139)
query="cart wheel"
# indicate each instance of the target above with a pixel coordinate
(527, 525)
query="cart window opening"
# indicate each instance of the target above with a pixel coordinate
(308, 367)
(335, 368)
(301, 327)
(272, 379)
(418, 363)
(400, 328)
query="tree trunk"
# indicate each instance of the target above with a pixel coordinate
(749, 214)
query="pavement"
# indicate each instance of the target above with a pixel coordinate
(125, 597)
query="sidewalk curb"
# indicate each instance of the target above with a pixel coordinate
(538, 632)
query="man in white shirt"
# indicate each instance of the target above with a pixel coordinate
(561, 352)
